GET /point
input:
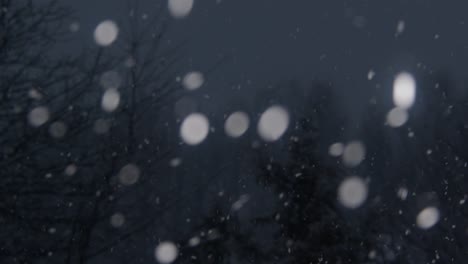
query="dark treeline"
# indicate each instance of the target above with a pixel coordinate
(94, 169)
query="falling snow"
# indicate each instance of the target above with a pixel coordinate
(110, 100)
(189, 131)
(273, 123)
(404, 90)
(427, 218)
(336, 149)
(236, 124)
(352, 192)
(38, 116)
(397, 117)
(194, 129)
(106, 33)
(166, 252)
(129, 174)
(354, 153)
(180, 8)
(193, 80)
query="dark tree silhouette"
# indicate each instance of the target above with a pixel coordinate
(66, 161)
(310, 225)
(424, 159)
(305, 224)
(409, 168)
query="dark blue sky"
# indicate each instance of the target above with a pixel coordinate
(269, 41)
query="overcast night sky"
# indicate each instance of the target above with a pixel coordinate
(269, 41)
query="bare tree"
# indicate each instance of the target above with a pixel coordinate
(67, 162)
